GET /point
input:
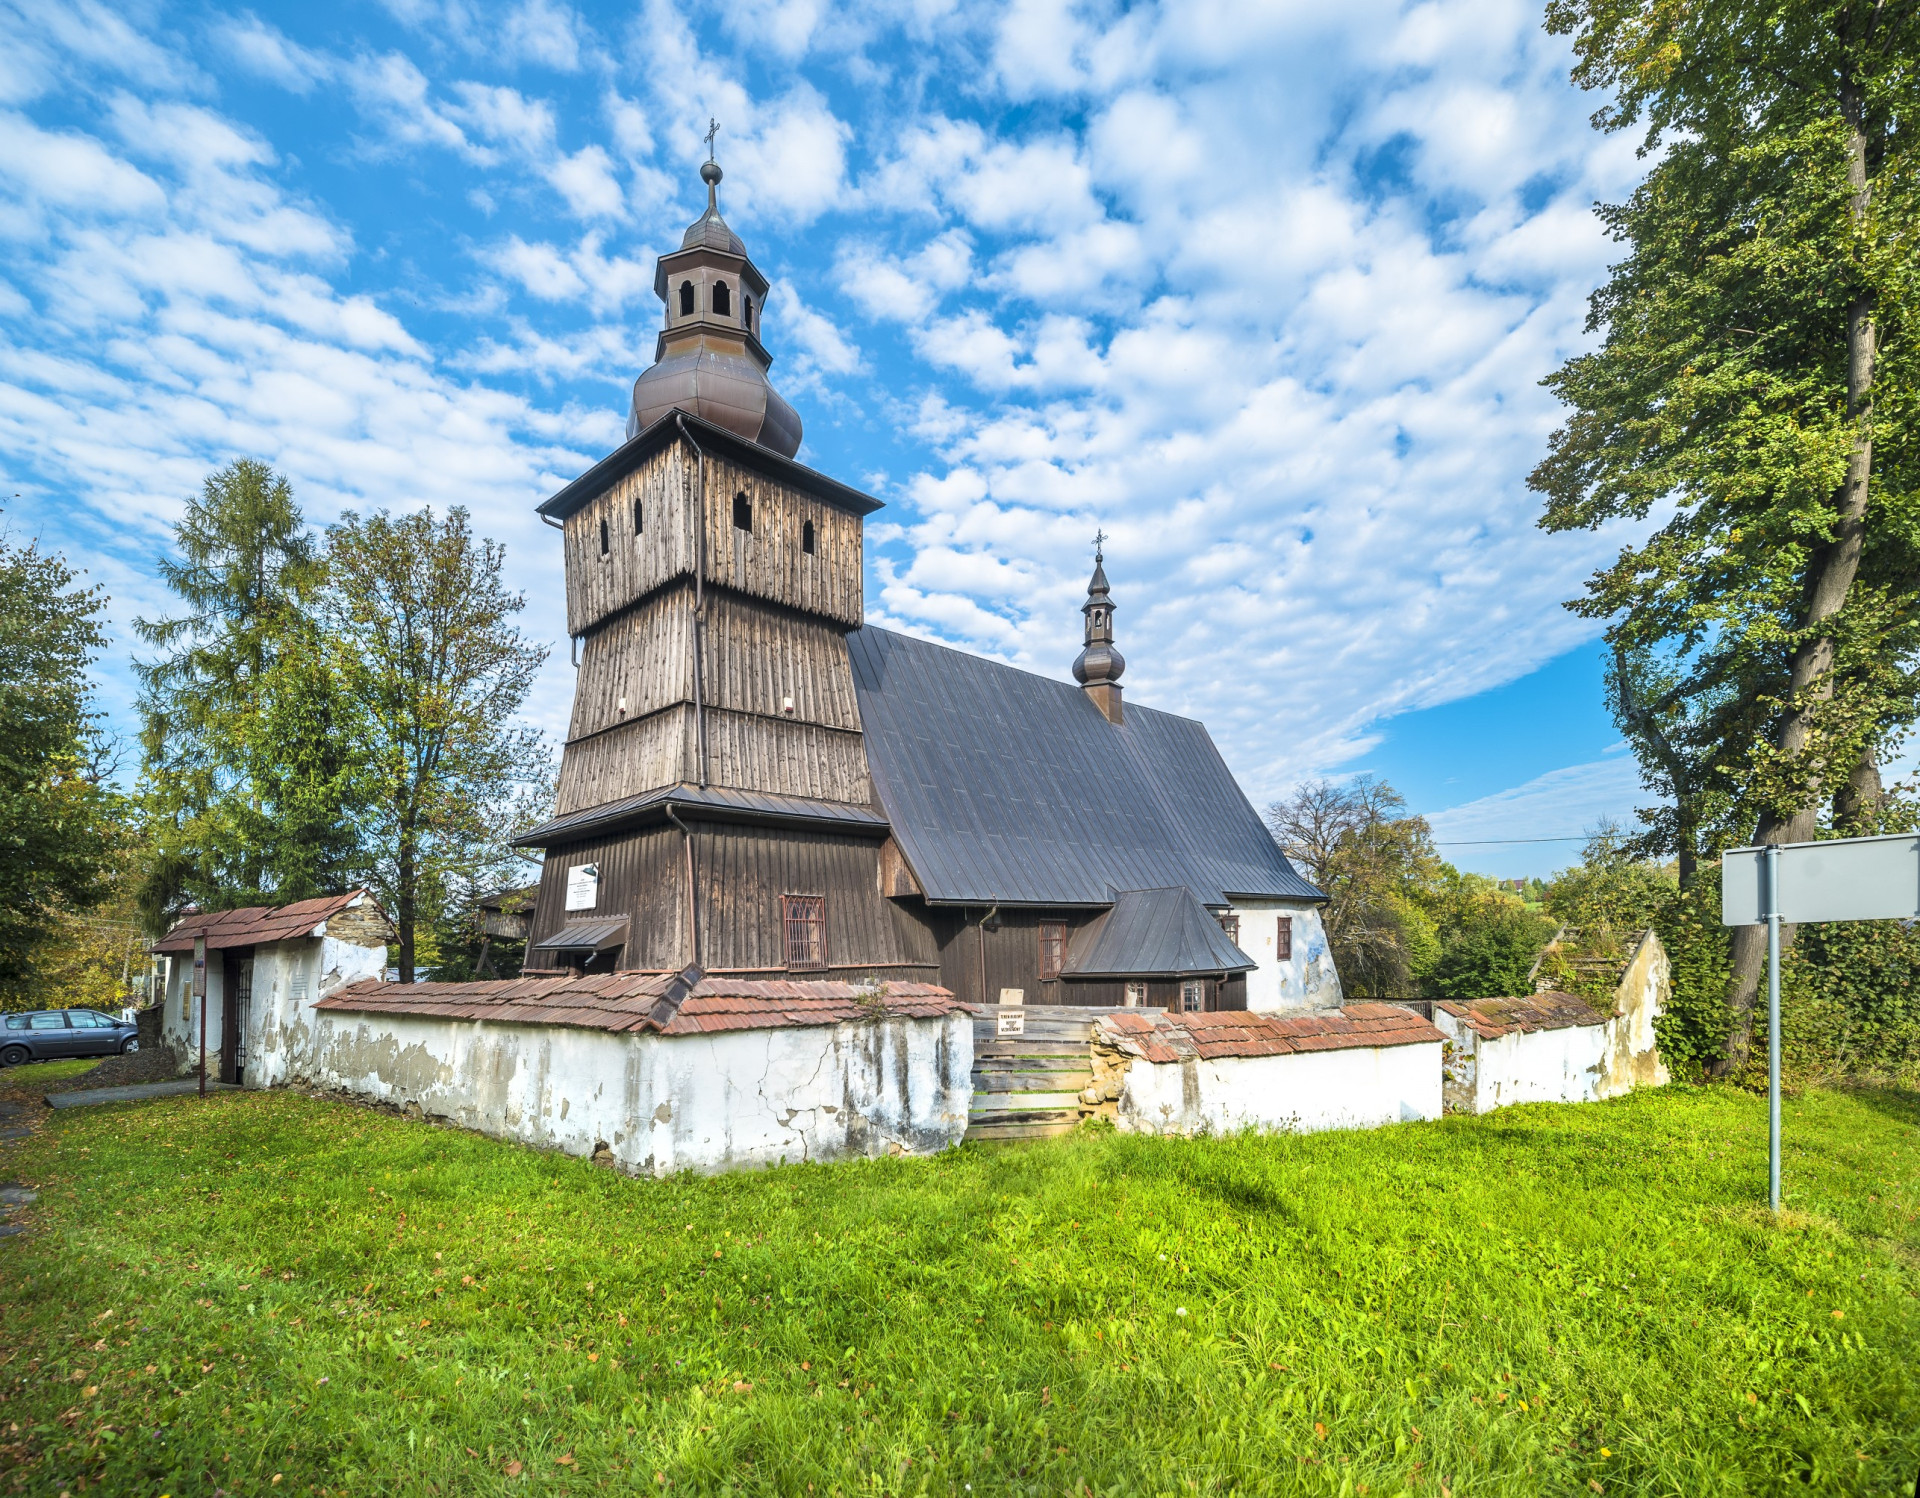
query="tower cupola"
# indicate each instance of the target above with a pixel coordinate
(709, 358)
(1099, 666)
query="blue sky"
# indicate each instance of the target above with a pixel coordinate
(1264, 290)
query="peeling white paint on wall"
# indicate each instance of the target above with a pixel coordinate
(1361, 1088)
(1304, 980)
(288, 977)
(659, 1104)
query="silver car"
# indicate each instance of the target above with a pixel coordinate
(49, 1034)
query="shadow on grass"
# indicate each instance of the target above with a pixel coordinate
(1902, 1104)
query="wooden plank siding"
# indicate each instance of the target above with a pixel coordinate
(642, 876)
(1012, 960)
(767, 561)
(744, 752)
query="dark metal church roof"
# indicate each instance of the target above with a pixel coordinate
(1154, 933)
(1005, 787)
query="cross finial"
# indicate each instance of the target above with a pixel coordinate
(1100, 538)
(713, 129)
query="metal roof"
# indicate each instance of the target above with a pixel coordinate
(1010, 788)
(713, 802)
(597, 935)
(1154, 933)
(626, 457)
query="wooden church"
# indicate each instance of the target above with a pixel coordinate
(757, 782)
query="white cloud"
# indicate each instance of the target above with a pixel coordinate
(268, 53)
(585, 179)
(542, 32)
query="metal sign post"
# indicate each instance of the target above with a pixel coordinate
(1839, 879)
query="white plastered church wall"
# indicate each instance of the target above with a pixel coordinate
(1307, 978)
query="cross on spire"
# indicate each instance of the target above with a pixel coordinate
(1100, 538)
(713, 129)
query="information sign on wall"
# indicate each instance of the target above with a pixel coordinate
(583, 886)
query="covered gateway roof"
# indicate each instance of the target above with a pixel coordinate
(257, 925)
(665, 1003)
(1154, 933)
(1005, 787)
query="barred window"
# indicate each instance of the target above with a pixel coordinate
(1053, 948)
(1283, 939)
(806, 925)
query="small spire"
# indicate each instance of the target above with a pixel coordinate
(710, 172)
(1100, 666)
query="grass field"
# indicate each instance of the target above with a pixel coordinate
(266, 1293)
(39, 1073)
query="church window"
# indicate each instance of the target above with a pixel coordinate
(1053, 948)
(639, 520)
(742, 512)
(686, 299)
(806, 537)
(1283, 939)
(722, 302)
(1230, 923)
(746, 312)
(603, 537)
(1193, 996)
(805, 920)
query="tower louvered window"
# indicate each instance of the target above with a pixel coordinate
(805, 919)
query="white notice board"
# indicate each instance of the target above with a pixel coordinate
(583, 886)
(1841, 879)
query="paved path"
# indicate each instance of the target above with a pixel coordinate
(83, 1097)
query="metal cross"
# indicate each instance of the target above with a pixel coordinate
(713, 129)
(1100, 538)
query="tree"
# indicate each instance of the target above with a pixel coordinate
(57, 819)
(1756, 381)
(420, 628)
(1374, 866)
(252, 777)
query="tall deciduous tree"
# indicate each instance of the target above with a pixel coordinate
(1756, 377)
(421, 625)
(56, 819)
(251, 763)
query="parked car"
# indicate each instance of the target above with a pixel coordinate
(48, 1034)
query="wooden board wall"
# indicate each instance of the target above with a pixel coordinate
(642, 876)
(744, 752)
(756, 658)
(1012, 960)
(767, 560)
(624, 761)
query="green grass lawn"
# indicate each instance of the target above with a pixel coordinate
(39, 1073)
(266, 1293)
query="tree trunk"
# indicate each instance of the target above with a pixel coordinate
(403, 918)
(1830, 578)
(1856, 805)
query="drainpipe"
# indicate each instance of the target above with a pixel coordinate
(693, 909)
(573, 640)
(699, 597)
(980, 931)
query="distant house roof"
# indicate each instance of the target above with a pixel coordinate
(1492, 1018)
(257, 925)
(1005, 787)
(1170, 1037)
(661, 1003)
(1154, 933)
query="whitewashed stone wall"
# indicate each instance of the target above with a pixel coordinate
(1360, 1088)
(1307, 979)
(1528, 1066)
(287, 977)
(656, 1103)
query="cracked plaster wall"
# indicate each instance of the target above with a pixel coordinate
(1305, 980)
(1303, 1092)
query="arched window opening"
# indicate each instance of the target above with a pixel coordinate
(686, 299)
(722, 300)
(746, 312)
(603, 538)
(806, 537)
(639, 520)
(742, 512)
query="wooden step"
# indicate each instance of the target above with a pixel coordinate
(1046, 1081)
(1045, 1061)
(1000, 1131)
(998, 1102)
(1006, 1050)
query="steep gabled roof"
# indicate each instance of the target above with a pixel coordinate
(1005, 787)
(1154, 933)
